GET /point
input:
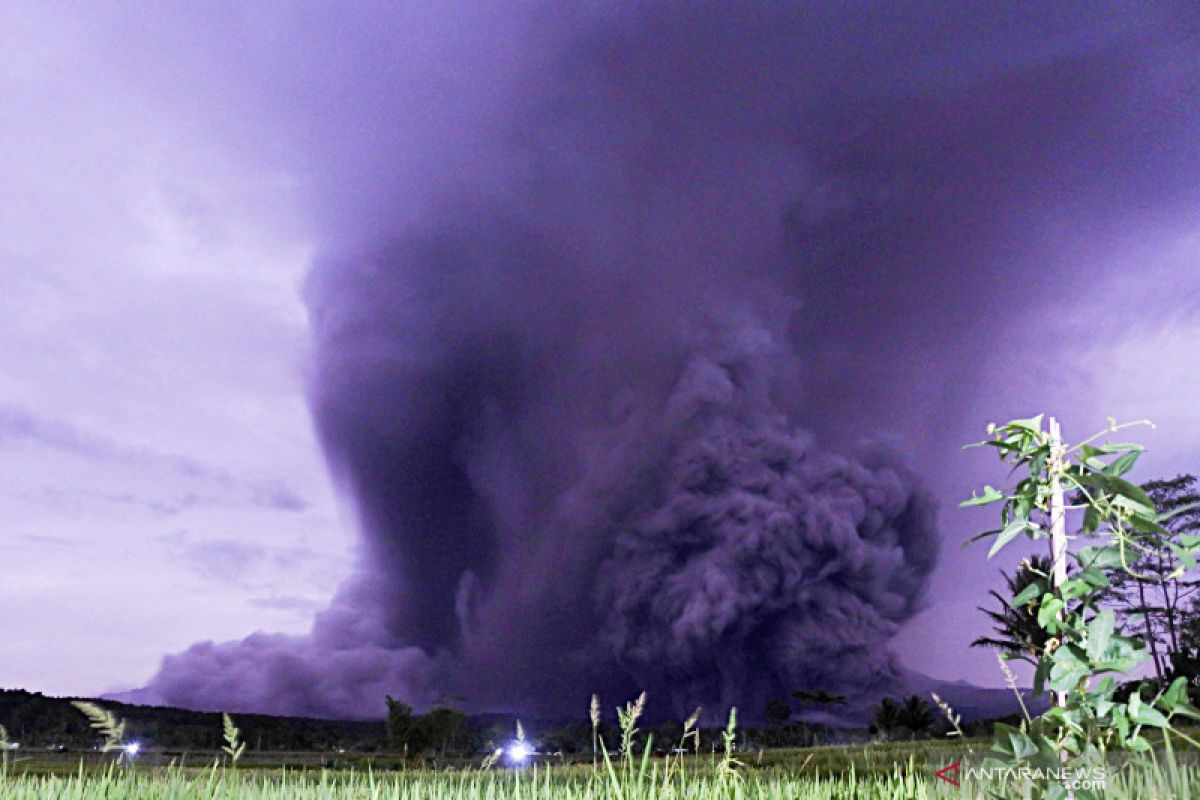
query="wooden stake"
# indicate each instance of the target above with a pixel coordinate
(1058, 521)
(1058, 537)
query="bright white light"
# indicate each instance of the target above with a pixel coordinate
(132, 748)
(519, 752)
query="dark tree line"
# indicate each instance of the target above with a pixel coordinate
(784, 731)
(35, 720)
(911, 718)
(908, 718)
(436, 733)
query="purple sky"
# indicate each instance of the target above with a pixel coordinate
(977, 215)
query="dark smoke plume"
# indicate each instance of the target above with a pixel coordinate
(568, 486)
(565, 489)
(559, 345)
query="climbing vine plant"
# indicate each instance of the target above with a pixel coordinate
(1085, 654)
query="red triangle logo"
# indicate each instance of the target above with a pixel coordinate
(949, 774)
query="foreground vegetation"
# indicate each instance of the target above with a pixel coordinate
(1101, 738)
(700, 779)
(901, 769)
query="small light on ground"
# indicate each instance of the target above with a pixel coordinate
(518, 752)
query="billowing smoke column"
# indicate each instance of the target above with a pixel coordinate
(565, 489)
(572, 480)
(562, 389)
(587, 270)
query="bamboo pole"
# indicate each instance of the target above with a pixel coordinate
(1058, 520)
(1058, 535)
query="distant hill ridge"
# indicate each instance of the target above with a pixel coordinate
(38, 720)
(974, 702)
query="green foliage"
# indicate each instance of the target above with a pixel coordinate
(105, 723)
(904, 718)
(594, 718)
(691, 731)
(417, 735)
(1083, 647)
(629, 779)
(435, 730)
(400, 722)
(627, 718)
(233, 747)
(1155, 599)
(36, 720)
(5, 745)
(729, 764)
(797, 778)
(1018, 634)
(875, 772)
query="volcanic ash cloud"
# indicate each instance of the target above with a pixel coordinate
(562, 494)
(562, 388)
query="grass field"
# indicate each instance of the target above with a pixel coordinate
(902, 769)
(894, 771)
